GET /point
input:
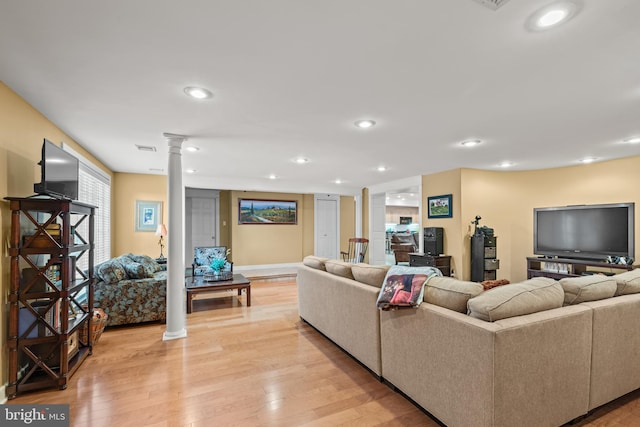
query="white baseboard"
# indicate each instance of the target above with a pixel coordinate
(240, 268)
(3, 394)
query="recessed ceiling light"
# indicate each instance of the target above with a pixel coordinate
(192, 148)
(552, 15)
(197, 92)
(301, 160)
(471, 142)
(381, 168)
(191, 171)
(632, 140)
(272, 176)
(338, 181)
(364, 124)
(506, 164)
(588, 160)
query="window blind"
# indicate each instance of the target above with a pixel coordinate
(94, 187)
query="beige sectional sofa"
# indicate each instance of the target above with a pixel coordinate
(544, 368)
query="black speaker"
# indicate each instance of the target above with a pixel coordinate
(433, 240)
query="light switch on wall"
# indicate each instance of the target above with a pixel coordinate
(224, 223)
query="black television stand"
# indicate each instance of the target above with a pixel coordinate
(558, 268)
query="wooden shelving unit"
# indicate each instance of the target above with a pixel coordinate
(50, 299)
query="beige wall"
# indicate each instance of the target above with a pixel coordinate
(261, 244)
(347, 221)
(22, 130)
(308, 241)
(251, 244)
(505, 201)
(454, 228)
(127, 188)
(225, 220)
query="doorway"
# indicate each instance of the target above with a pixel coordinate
(378, 249)
(202, 210)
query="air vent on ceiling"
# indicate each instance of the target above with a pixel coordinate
(492, 4)
(145, 147)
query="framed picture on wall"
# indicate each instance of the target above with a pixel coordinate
(258, 211)
(148, 215)
(439, 206)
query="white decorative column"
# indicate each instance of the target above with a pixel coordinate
(358, 202)
(176, 308)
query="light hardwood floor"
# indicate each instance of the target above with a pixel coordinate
(244, 366)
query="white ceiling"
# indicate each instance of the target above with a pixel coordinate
(290, 77)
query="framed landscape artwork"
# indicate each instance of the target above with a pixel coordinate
(148, 215)
(439, 206)
(257, 211)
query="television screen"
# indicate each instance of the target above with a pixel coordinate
(588, 232)
(59, 173)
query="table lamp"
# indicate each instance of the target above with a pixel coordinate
(161, 231)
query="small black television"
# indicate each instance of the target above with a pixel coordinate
(58, 173)
(590, 232)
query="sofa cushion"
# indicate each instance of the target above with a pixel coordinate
(627, 282)
(315, 262)
(134, 269)
(149, 264)
(111, 271)
(450, 293)
(530, 296)
(339, 268)
(370, 274)
(587, 288)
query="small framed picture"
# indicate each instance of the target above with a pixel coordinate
(439, 206)
(148, 215)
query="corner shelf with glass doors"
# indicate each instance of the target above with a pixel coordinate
(50, 296)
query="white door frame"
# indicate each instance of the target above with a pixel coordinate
(384, 188)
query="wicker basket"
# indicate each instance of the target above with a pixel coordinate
(98, 322)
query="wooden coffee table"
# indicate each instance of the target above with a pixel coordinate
(197, 284)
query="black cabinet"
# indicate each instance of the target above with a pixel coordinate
(484, 262)
(433, 240)
(441, 262)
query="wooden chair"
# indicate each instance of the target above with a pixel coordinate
(357, 249)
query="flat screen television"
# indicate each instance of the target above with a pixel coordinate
(592, 232)
(58, 173)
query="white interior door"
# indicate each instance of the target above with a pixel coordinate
(326, 213)
(377, 231)
(203, 223)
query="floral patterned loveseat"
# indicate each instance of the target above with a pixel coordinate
(131, 289)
